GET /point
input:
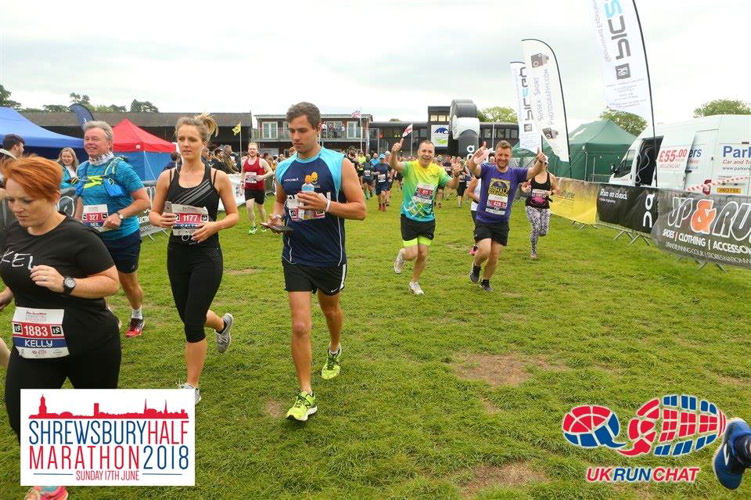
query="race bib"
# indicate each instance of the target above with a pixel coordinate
(94, 216)
(381, 177)
(251, 177)
(298, 214)
(423, 194)
(538, 197)
(496, 204)
(189, 218)
(38, 333)
(367, 173)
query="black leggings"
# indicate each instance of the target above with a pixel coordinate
(95, 369)
(195, 273)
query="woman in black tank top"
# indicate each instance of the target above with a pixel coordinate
(540, 188)
(186, 201)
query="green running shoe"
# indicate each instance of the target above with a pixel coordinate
(333, 365)
(252, 230)
(305, 405)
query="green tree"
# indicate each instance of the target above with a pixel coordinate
(722, 107)
(81, 99)
(394, 120)
(112, 108)
(631, 123)
(6, 101)
(55, 108)
(142, 107)
(497, 114)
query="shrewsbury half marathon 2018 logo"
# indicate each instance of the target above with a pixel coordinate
(118, 437)
(667, 426)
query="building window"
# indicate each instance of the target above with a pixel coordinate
(270, 130)
(352, 130)
(285, 130)
(514, 133)
(443, 118)
(422, 132)
(486, 133)
(433, 118)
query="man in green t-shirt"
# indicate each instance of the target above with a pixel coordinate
(422, 178)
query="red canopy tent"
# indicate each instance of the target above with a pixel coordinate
(146, 152)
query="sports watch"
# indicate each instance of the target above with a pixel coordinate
(69, 283)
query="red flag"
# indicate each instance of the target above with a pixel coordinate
(356, 114)
(407, 130)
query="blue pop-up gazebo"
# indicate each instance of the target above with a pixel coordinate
(36, 139)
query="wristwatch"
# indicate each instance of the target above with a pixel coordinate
(120, 215)
(69, 283)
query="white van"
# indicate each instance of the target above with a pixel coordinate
(711, 154)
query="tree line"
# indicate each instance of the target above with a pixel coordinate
(136, 106)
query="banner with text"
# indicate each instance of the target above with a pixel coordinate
(529, 135)
(630, 207)
(577, 201)
(624, 63)
(116, 437)
(713, 228)
(546, 95)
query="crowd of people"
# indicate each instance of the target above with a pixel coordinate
(59, 270)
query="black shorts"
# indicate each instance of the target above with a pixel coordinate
(259, 195)
(299, 278)
(125, 252)
(461, 188)
(497, 231)
(412, 229)
(382, 186)
(367, 181)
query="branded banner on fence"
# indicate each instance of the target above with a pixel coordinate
(577, 201)
(624, 63)
(529, 135)
(631, 207)
(546, 95)
(715, 228)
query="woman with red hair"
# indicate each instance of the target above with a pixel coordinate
(58, 271)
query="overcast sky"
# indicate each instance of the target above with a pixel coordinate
(388, 58)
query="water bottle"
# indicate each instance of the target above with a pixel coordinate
(307, 188)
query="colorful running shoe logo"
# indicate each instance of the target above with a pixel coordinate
(685, 425)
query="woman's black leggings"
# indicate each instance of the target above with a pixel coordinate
(195, 273)
(95, 369)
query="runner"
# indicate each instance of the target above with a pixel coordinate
(464, 177)
(475, 188)
(367, 180)
(421, 180)
(499, 183)
(382, 175)
(186, 200)
(391, 177)
(58, 271)
(111, 196)
(317, 191)
(540, 189)
(255, 172)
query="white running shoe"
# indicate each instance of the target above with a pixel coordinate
(223, 338)
(399, 262)
(196, 391)
(414, 287)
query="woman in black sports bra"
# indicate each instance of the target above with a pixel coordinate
(539, 189)
(186, 200)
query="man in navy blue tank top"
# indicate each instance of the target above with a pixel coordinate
(316, 190)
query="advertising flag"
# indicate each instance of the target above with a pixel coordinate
(236, 129)
(546, 95)
(407, 130)
(624, 60)
(356, 114)
(529, 135)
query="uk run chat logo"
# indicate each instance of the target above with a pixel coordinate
(666, 426)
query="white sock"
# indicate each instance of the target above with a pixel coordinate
(136, 313)
(338, 350)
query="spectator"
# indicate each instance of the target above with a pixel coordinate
(68, 160)
(235, 158)
(174, 161)
(12, 147)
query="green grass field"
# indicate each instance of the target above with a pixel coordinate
(458, 393)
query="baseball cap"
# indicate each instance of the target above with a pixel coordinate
(381, 156)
